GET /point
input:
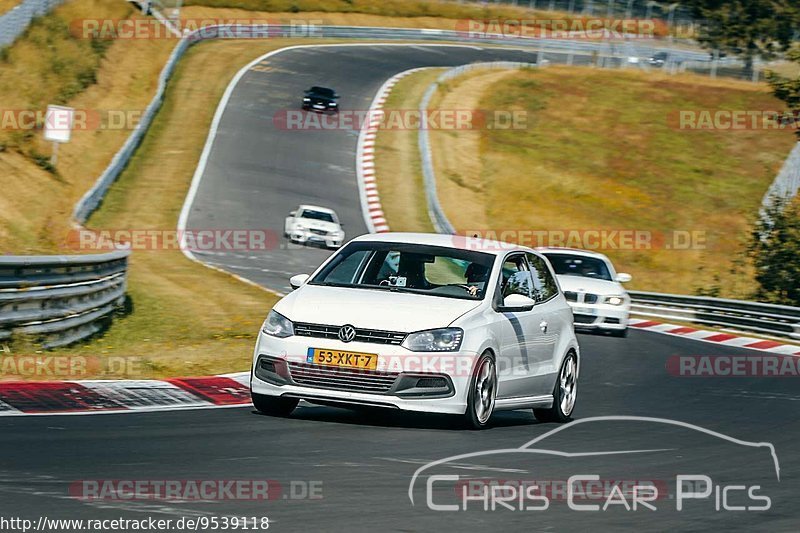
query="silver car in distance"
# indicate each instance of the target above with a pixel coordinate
(426, 323)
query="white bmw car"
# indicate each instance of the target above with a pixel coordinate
(593, 288)
(314, 224)
(424, 323)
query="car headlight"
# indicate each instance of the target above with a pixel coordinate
(615, 300)
(306, 99)
(277, 325)
(434, 340)
(332, 104)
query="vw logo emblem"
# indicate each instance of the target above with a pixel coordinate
(347, 333)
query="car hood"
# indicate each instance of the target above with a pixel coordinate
(594, 286)
(372, 308)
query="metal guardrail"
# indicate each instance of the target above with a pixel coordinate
(766, 319)
(60, 299)
(786, 184)
(435, 212)
(16, 20)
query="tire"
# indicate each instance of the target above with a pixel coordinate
(566, 384)
(273, 406)
(621, 333)
(482, 393)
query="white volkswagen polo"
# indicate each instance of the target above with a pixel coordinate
(421, 322)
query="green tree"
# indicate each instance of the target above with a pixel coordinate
(775, 250)
(750, 28)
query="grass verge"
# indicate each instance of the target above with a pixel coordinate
(397, 163)
(599, 152)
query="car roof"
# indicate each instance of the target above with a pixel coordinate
(303, 207)
(570, 251)
(459, 242)
(317, 88)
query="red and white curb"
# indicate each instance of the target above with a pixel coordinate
(365, 157)
(716, 337)
(123, 396)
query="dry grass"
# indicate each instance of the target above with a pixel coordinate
(7, 5)
(36, 205)
(397, 164)
(600, 153)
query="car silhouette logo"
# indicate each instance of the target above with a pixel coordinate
(347, 333)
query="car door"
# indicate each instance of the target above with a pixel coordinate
(555, 319)
(521, 342)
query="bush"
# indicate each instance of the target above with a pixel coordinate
(775, 250)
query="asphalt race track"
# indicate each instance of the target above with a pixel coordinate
(257, 172)
(364, 461)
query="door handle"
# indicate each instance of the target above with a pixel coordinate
(543, 326)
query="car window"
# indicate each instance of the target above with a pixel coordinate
(317, 215)
(516, 277)
(579, 265)
(322, 91)
(437, 271)
(348, 268)
(544, 285)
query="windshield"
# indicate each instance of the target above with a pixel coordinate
(432, 270)
(322, 91)
(317, 215)
(579, 265)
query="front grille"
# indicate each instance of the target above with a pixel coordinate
(584, 319)
(343, 379)
(318, 231)
(362, 335)
(588, 297)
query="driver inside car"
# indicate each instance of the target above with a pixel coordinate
(476, 278)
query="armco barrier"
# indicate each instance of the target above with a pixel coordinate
(15, 21)
(60, 299)
(768, 319)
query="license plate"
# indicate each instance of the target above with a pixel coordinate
(323, 356)
(584, 311)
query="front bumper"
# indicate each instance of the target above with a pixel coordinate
(308, 236)
(431, 383)
(603, 317)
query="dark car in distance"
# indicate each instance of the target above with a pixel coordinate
(321, 100)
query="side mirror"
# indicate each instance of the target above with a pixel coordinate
(292, 213)
(297, 280)
(517, 302)
(623, 277)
